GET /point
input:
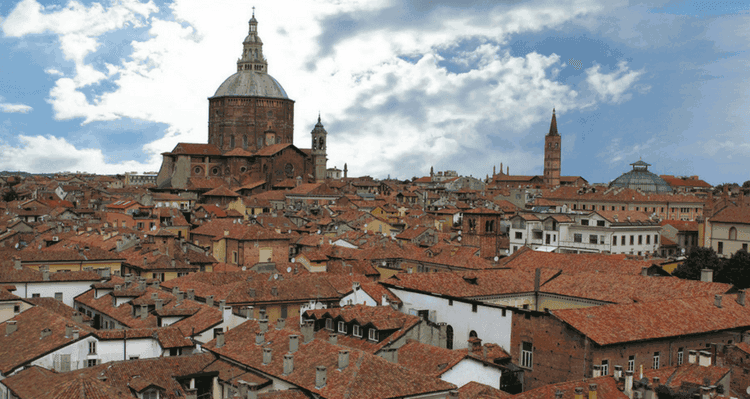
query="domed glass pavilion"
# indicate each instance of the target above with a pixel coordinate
(641, 178)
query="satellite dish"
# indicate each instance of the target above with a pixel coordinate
(289, 269)
(459, 232)
(748, 390)
(459, 238)
(318, 231)
(496, 258)
(292, 260)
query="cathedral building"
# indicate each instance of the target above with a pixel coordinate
(250, 134)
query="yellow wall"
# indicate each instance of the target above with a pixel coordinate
(75, 266)
(377, 226)
(6, 309)
(386, 273)
(220, 250)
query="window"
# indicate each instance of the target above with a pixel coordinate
(217, 331)
(614, 241)
(593, 239)
(605, 367)
(342, 327)
(680, 355)
(640, 239)
(648, 240)
(622, 241)
(329, 324)
(474, 307)
(519, 235)
(584, 222)
(613, 207)
(732, 233)
(92, 347)
(632, 240)
(631, 363)
(91, 362)
(656, 361)
(744, 247)
(59, 296)
(450, 302)
(357, 331)
(234, 257)
(284, 311)
(372, 334)
(151, 394)
(656, 238)
(17, 308)
(577, 237)
(600, 223)
(720, 249)
(527, 353)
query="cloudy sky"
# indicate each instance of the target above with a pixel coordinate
(106, 86)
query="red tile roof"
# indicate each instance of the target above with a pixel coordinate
(39, 383)
(475, 390)
(612, 324)
(732, 214)
(606, 388)
(528, 259)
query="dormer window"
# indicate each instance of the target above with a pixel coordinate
(342, 327)
(357, 331)
(329, 324)
(372, 334)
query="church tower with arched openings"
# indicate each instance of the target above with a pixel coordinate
(319, 142)
(552, 157)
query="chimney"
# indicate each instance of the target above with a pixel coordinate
(691, 356)
(707, 275)
(320, 377)
(251, 292)
(275, 291)
(45, 275)
(249, 312)
(175, 290)
(180, 296)
(638, 395)
(558, 394)
(391, 354)
(657, 381)
(384, 301)
(592, 391)
(629, 383)
(618, 372)
(46, 333)
(293, 343)
(226, 313)
(190, 294)
(288, 364)
(705, 393)
(597, 371)
(191, 393)
(578, 393)
(210, 300)
(17, 263)
(260, 338)
(704, 358)
(144, 312)
(219, 339)
(10, 327)
(307, 331)
(741, 297)
(453, 394)
(263, 324)
(76, 334)
(266, 356)
(333, 338)
(159, 303)
(644, 271)
(343, 359)
(118, 287)
(78, 317)
(717, 301)
(261, 314)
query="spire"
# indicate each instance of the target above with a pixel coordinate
(252, 50)
(553, 125)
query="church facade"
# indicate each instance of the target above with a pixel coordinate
(250, 135)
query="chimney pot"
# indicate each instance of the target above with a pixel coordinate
(320, 377)
(210, 300)
(707, 275)
(629, 383)
(578, 393)
(190, 294)
(280, 323)
(343, 359)
(592, 391)
(717, 300)
(76, 334)
(159, 303)
(692, 356)
(741, 297)
(263, 324)
(308, 331)
(219, 339)
(260, 338)
(558, 394)
(293, 343)
(704, 358)
(266, 356)
(68, 331)
(288, 363)
(10, 327)
(333, 338)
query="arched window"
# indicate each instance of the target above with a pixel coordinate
(244, 142)
(449, 337)
(472, 334)
(732, 233)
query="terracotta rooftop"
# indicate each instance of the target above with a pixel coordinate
(606, 388)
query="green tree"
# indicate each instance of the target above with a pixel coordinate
(736, 270)
(699, 258)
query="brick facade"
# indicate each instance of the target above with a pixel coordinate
(560, 353)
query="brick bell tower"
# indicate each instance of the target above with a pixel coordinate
(319, 142)
(552, 154)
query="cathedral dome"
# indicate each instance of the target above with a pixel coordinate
(641, 178)
(247, 83)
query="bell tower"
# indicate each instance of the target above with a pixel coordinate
(552, 157)
(252, 50)
(319, 142)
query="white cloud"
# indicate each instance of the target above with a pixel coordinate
(613, 87)
(15, 108)
(44, 154)
(438, 114)
(54, 72)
